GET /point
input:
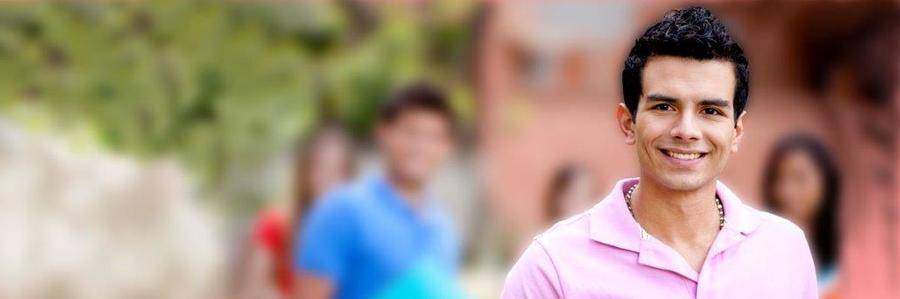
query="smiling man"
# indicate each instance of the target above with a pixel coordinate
(676, 231)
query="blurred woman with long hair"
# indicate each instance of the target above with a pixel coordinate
(323, 161)
(571, 190)
(802, 183)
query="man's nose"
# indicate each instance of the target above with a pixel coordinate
(686, 128)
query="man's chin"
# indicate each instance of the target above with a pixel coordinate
(414, 177)
(683, 182)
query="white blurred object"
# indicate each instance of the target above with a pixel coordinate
(96, 226)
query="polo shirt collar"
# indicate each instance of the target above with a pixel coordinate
(611, 223)
(738, 216)
(386, 193)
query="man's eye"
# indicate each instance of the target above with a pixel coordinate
(712, 111)
(663, 107)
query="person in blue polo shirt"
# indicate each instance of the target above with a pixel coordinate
(384, 236)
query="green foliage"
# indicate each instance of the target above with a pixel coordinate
(222, 86)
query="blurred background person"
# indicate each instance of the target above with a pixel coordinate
(803, 184)
(324, 160)
(384, 236)
(571, 191)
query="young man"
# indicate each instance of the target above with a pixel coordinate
(675, 232)
(383, 236)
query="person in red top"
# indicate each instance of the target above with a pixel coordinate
(323, 161)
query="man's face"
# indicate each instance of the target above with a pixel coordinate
(415, 144)
(685, 129)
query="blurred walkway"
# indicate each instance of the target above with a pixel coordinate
(95, 226)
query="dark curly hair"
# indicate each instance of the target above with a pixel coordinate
(692, 32)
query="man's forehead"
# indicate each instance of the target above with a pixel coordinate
(679, 78)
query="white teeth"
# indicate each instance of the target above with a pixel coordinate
(681, 156)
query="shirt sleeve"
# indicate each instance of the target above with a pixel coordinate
(453, 246)
(325, 240)
(533, 276)
(268, 231)
(808, 268)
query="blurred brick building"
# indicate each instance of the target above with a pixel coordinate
(549, 80)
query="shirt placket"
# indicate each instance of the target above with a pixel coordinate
(706, 286)
(653, 253)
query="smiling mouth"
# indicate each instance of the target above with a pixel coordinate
(684, 156)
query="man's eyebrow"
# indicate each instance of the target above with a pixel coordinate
(715, 102)
(661, 98)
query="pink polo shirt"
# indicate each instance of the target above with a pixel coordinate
(602, 253)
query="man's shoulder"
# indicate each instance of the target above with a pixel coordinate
(774, 225)
(783, 243)
(342, 201)
(565, 232)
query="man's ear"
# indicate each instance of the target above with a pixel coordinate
(626, 123)
(738, 132)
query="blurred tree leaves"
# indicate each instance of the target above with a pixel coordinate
(222, 86)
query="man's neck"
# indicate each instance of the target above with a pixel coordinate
(676, 216)
(411, 191)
